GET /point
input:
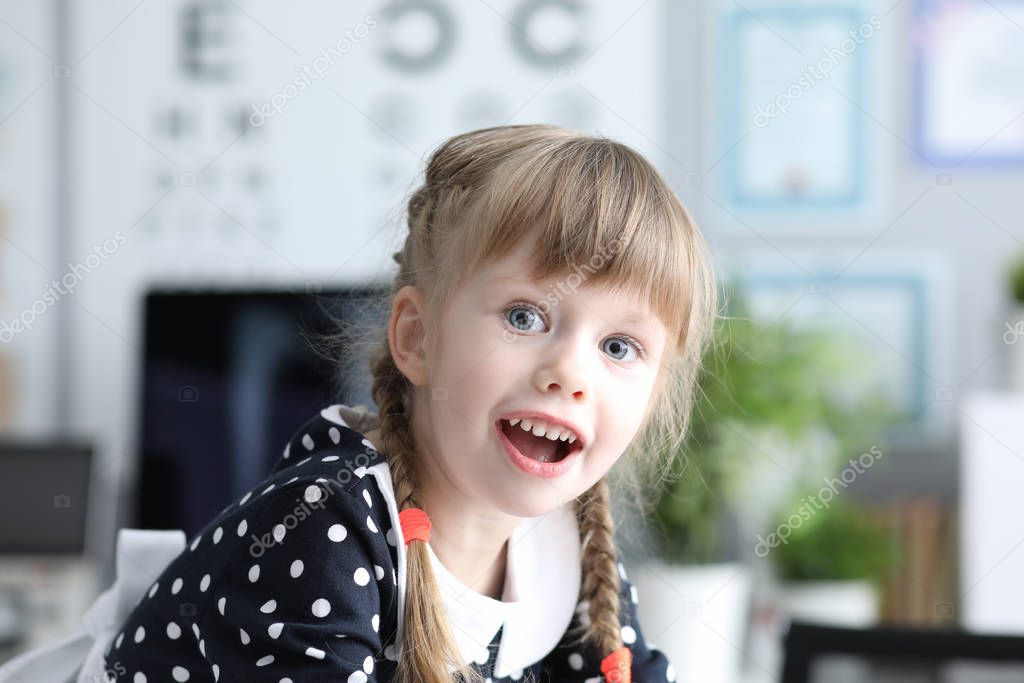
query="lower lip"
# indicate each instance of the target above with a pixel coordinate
(547, 470)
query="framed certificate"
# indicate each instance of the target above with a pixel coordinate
(969, 82)
(795, 83)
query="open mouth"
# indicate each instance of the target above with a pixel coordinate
(539, 448)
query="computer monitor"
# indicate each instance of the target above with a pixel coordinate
(44, 497)
(227, 379)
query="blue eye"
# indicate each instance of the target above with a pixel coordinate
(618, 345)
(522, 314)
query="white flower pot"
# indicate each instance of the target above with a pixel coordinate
(696, 615)
(836, 603)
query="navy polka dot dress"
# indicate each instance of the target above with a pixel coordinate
(297, 582)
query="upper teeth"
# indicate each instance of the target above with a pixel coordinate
(541, 428)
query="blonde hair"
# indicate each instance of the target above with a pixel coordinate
(593, 202)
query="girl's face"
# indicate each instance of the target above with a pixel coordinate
(561, 347)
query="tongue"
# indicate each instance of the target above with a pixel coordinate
(533, 447)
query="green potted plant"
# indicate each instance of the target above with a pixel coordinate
(831, 564)
(771, 401)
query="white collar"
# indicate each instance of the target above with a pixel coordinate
(541, 591)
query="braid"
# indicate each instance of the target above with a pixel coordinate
(601, 585)
(429, 653)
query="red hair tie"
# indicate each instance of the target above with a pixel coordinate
(415, 525)
(616, 666)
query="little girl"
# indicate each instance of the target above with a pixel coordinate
(548, 319)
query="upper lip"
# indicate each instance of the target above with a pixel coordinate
(581, 437)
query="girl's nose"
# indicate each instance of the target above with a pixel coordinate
(565, 371)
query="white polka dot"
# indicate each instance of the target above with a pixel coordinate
(173, 631)
(628, 635)
(195, 543)
(120, 637)
(391, 538)
(254, 573)
(360, 471)
(220, 605)
(287, 451)
(140, 634)
(245, 498)
(216, 672)
(269, 606)
(622, 571)
(368, 444)
(285, 680)
(176, 586)
(304, 461)
(337, 533)
(315, 653)
(268, 489)
(263, 661)
(370, 525)
(180, 674)
(334, 434)
(195, 629)
(202, 647)
(378, 571)
(244, 636)
(368, 664)
(279, 531)
(293, 479)
(576, 661)
(313, 493)
(366, 497)
(633, 595)
(274, 630)
(321, 608)
(356, 677)
(296, 569)
(242, 526)
(375, 622)
(152, 591)
(670, 673)
(361, 576)
(218, 534)
(204, 583)
(329, 458)
(139, 677)
(307, 442)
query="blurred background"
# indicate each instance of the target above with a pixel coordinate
(190, 188)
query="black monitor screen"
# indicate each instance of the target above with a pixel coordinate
(227, 379)
(44, 491)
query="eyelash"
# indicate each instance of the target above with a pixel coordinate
(641, 351)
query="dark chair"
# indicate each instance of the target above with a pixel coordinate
(893, 653)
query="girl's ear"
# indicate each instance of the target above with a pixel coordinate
(406, 334)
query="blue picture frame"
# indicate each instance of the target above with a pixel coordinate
(856, 195)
